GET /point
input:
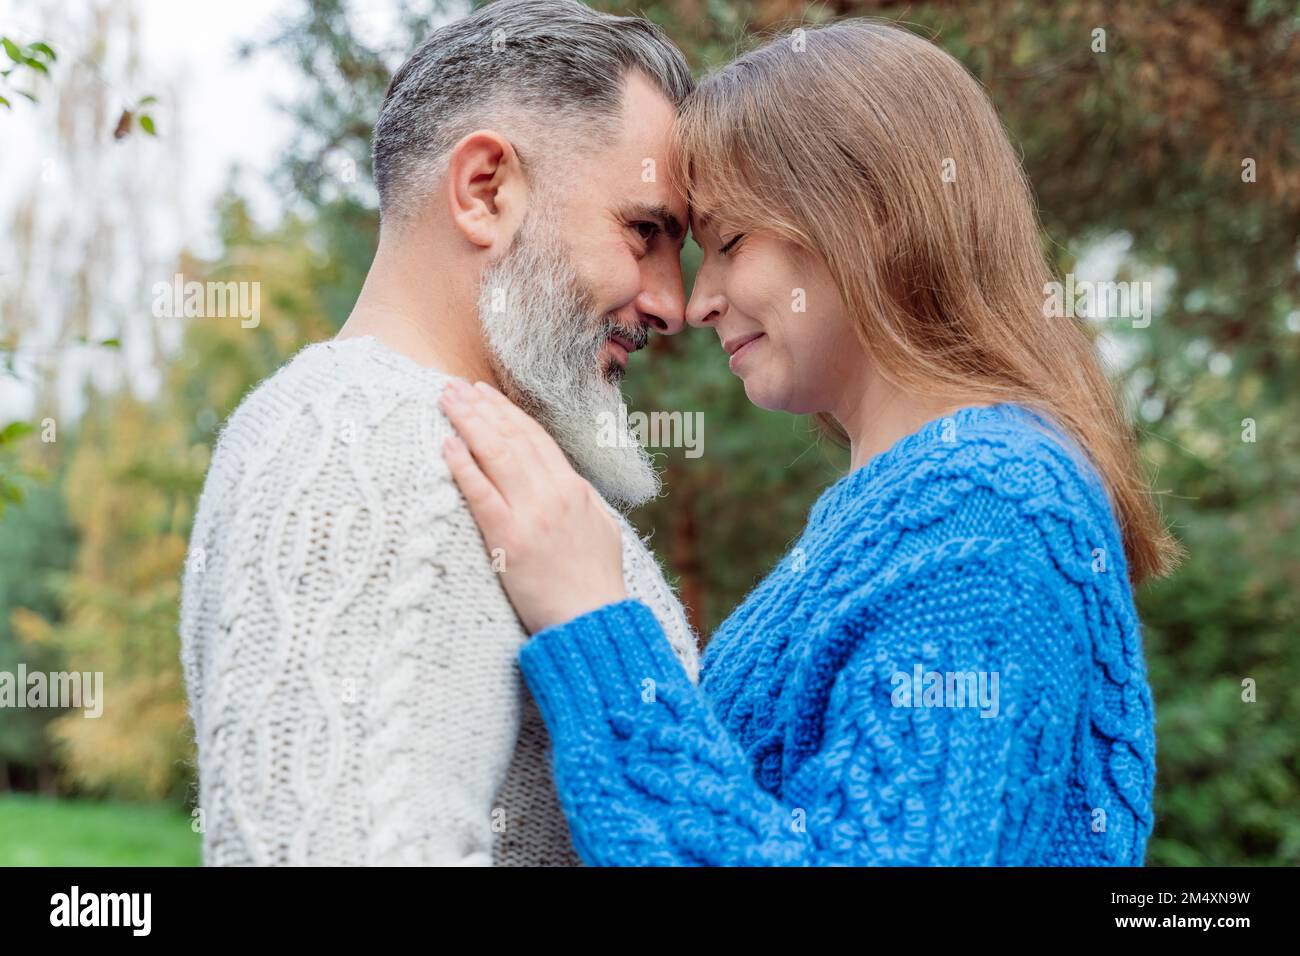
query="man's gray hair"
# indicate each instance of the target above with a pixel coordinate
(531, 66)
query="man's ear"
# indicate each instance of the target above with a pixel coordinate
(486, 188)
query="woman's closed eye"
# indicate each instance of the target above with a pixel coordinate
(731, 243)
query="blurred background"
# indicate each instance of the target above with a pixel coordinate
(142, 139)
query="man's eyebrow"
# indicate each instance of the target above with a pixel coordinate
(660, 214)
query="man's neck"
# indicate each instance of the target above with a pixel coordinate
(424, 315)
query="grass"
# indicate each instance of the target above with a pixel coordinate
(39, 831)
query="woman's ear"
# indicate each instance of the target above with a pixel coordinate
(486, 189)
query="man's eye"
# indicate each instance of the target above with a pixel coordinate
(646, 230)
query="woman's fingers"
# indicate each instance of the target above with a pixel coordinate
(498, 451)
(524, 425)
(565, 548)
(488, 508)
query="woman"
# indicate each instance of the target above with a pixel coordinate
(947, 668)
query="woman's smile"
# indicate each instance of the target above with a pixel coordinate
(738, 347)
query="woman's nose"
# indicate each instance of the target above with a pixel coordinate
(706, 305)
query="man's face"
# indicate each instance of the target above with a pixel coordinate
(589, 274)
(624, 227)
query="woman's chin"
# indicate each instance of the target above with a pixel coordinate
(763, 396)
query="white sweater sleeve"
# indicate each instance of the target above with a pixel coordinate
(349, 654)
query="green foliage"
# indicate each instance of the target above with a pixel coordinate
(31, 57)
(11, 491)
(36, 543)
(134, 116)
(1229, 772)
(37, 831)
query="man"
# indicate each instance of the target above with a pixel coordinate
(349, 654)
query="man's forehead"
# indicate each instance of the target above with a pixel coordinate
(633, 167)
(648, 119)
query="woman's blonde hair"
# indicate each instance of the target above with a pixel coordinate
(878, 152)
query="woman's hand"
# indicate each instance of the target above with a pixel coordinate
(562, 550)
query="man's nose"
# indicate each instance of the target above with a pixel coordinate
(662, 302)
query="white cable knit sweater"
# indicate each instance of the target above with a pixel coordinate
(349, 653)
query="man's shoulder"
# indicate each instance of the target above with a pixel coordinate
(348, 393)
(341, 425)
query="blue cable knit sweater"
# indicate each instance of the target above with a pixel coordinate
(828, 727)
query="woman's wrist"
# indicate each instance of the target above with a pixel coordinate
(605, 661)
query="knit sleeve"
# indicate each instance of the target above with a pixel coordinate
(648, 775)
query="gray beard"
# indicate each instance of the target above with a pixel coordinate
(545, 340)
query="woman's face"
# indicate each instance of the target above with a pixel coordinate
(779, 316)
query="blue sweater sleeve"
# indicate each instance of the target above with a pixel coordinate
(647, 775)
